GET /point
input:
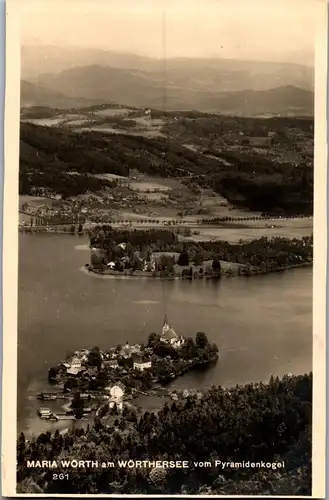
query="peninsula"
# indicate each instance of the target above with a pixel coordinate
(171, 253)
(95, 381)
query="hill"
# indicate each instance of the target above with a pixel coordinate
(182, 87)
(37, 95)
(281, 100)
(49, 156)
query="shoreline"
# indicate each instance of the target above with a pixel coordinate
(160, 391)
(226, 274)
(95, 398)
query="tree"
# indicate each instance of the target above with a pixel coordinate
(153, 339)
(170, 268)
(216, 265)
(136, 263)
(77, 405)
(183, 259)
(201, 340)
(52, 374)
(166, 261)
(21, 446)
(95, 358)
(198, 260)
(119, 266)
(188, 350)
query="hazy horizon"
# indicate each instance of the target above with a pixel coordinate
(305, 59)
(278, 31)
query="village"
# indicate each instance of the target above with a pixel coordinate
(104, 383)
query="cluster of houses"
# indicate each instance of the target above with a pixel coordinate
(115, 393)
(77, 365)
(145, 265)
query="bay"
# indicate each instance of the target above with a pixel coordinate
(262, 325)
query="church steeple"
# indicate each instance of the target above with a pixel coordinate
(165, 326)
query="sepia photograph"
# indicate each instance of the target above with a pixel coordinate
(166, 161)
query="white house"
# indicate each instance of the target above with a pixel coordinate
(141, 363)
(169, 336)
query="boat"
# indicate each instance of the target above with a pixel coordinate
(45, 413)
(50, 396)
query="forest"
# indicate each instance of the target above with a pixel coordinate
(246, 178)
(269, 253)
(268, 422)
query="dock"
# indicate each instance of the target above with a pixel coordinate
(51, 396)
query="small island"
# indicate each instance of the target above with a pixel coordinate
(104, 382)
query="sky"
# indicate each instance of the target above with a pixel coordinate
(248, 29)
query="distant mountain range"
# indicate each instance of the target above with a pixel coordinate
(37, 60)
(286, 100)
(208, 85)
(36, 95)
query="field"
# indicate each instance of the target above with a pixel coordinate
(148, 186)
(112, 112)
(45, 122)
(205, 167)
(292, 229)
(35, 201)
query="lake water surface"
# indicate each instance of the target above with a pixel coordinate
(262, 325)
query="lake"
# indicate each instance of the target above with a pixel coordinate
(262, 325)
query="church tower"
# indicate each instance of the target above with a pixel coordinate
(165, 326)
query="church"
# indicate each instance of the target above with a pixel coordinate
(169, 336)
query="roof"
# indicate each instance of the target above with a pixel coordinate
(76, 358)
(170, 334)
(119, 384)
(112, 362)
(74, 371)
(126, 348)
(140, 360)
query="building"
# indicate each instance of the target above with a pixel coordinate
(75, 362)
(140, 363)
(119, 405)
(111, 363)
(127, 350)
(74, 371)
(116, 391)
(45, 413)
(169, 336)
